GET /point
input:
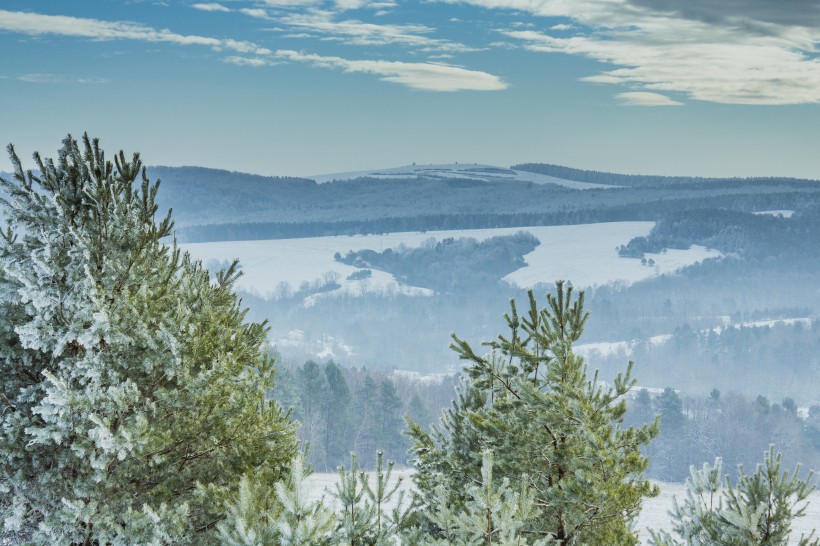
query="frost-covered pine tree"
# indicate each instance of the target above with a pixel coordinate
(288, 518)
(758, 511)
(492, 514)
(531, 402)
(133, 391)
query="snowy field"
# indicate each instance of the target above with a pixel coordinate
(608, 348)
(653, 516)
(585, 254)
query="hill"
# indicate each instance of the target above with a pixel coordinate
(214, 205)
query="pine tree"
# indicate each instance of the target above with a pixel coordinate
(288, 518)
(338, 437)
(530, 401)
(133, 389)
(758, 511)
(389, 421)
(366, 516)
(313, 384)
(491, 515)
(365, 440)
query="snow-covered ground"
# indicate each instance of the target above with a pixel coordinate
(607, 348)
(585, 254)
(784, 213)
(468, 171)
(655, 513)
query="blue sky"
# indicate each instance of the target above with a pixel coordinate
(300, 87)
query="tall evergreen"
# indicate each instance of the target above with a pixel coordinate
(530, 401)
(338, 438)
(390, 422)
(313, 384)
(133, 389)
(366, 434)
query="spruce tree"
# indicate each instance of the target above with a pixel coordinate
(133, 389)
(550, 426)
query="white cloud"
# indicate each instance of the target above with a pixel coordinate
(645, 98)
(708, 70)
(732, 51)
(212, 6)
(255, 12)
(355, 32)
(37, 24)
(255, 62)
(423, 76)
(417, 75)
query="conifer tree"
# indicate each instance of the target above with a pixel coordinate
(287, 518)
(491, 515)
(758, 511)
(366, 516)
(389, 421)
(133, 390)
(531, 402)
(338, 422)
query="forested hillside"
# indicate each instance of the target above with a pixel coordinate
(213, 205)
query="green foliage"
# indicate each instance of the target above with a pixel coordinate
(133, 389)
(757, 512)
(530, 401)
(492, 514)
(371, 514)
(288, 518)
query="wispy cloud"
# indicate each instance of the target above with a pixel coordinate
(423, 76)
(255, 62)
(417, 75)
(59, 79)
(646, 98)
(95, 29)
(732, 51)
(353, 32)
(213, 6)
(259, 13)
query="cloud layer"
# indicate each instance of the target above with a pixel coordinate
(426, 76)
(38, 24)
(423, 76)
(733, 51)
(656, 52)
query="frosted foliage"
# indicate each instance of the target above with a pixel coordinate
(290, 518)
(493, 514)
(758, 511)
(61, 326)
(119, 395)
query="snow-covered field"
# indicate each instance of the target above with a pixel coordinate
(607, 348)
(585, 254)
(655, 513)
(784, 213)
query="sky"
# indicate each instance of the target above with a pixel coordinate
(307, 87)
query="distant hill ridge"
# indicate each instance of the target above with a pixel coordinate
(636, 180)
(218, 205)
